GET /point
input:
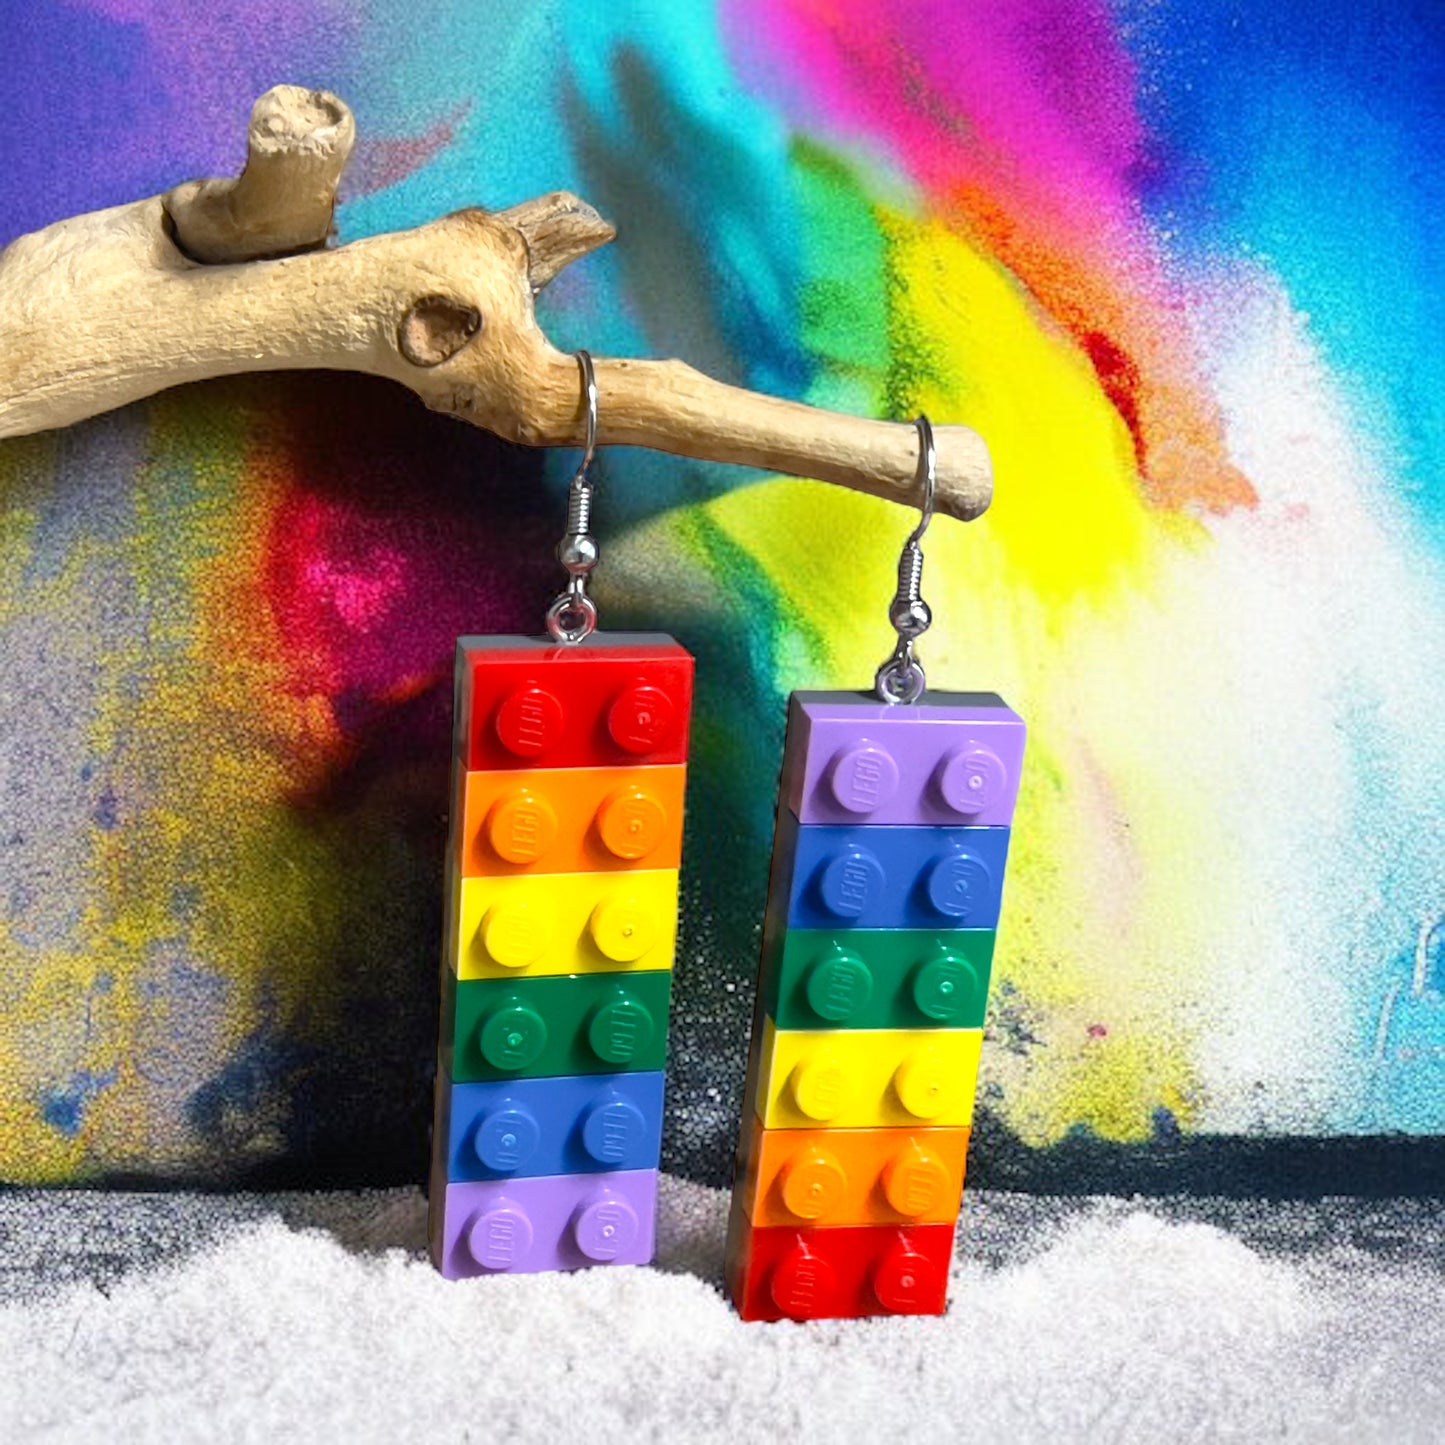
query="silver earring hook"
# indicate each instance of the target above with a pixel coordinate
(573, 614)
(589, 392)
(901, 679)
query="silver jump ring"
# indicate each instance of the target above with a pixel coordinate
(573, 614)
(571, 617)
(901, 679)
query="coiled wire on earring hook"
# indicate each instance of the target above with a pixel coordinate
(573, 614)
(901, 679)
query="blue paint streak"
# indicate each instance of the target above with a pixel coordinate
(64, 1108)
(107, 810)
(100, 111)
(48, 135)
(1308, 134)
(632, 106)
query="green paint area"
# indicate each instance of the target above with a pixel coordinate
(532, 1028)
(877, 978)
(843, 305)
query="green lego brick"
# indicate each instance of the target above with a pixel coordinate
(538, 1027)
(877, 978)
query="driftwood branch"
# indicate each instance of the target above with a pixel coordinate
(226, 276)
(297, 145)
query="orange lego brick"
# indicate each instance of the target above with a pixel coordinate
(852, 1176)
(570, 820)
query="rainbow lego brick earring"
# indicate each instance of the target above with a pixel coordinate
(883, 902)
(565, 839)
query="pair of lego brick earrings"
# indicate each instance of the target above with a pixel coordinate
(561, 918)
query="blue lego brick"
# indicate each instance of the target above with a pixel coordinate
(832, 877)
(572, 1124)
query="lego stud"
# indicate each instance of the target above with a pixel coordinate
(915, 1181)
(922, 1084)
(944, 987)
(512, 1036)
(863, 777)
(851, 882)
(820, 1086)
(803, 1285)
(500, 1237)
(507, 1137)
(620, 1030)
(812, 1183)
(515, 933)
(623, 928)
(631, 822)
(604, 1226)
(522, 826)
(906, 1282)
(529, 722)
(641, 717)
(612, 1131)
(838, 985)
(958, 883)
(971, 780)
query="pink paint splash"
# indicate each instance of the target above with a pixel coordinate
(372, 567)
(383, 161)
(350, 574)
(1018, 122)
(1031, 98)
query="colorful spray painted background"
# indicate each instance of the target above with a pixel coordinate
(1172, 261)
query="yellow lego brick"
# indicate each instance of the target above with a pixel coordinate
(565, 923)
(865, 1078)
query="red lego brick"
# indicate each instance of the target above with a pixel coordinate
(837, 1274)
(611, 701)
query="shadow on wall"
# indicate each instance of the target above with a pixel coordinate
(400, 531)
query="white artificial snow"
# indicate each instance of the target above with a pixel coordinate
(1117, 1327)
(1279, 759)
(1332, 730)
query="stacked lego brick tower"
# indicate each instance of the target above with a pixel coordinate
(566, 834)
(888, 863)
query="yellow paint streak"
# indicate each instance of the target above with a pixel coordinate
(203, 900)
(38, 1022)
(38, 990)
(1068, 505)
(1094, 1017)
(206, 748)
(27, 464)
(1105, 1085)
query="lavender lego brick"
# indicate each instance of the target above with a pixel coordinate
(573, 1124)
(885, 877)
(952, 759)
(557, 1221)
